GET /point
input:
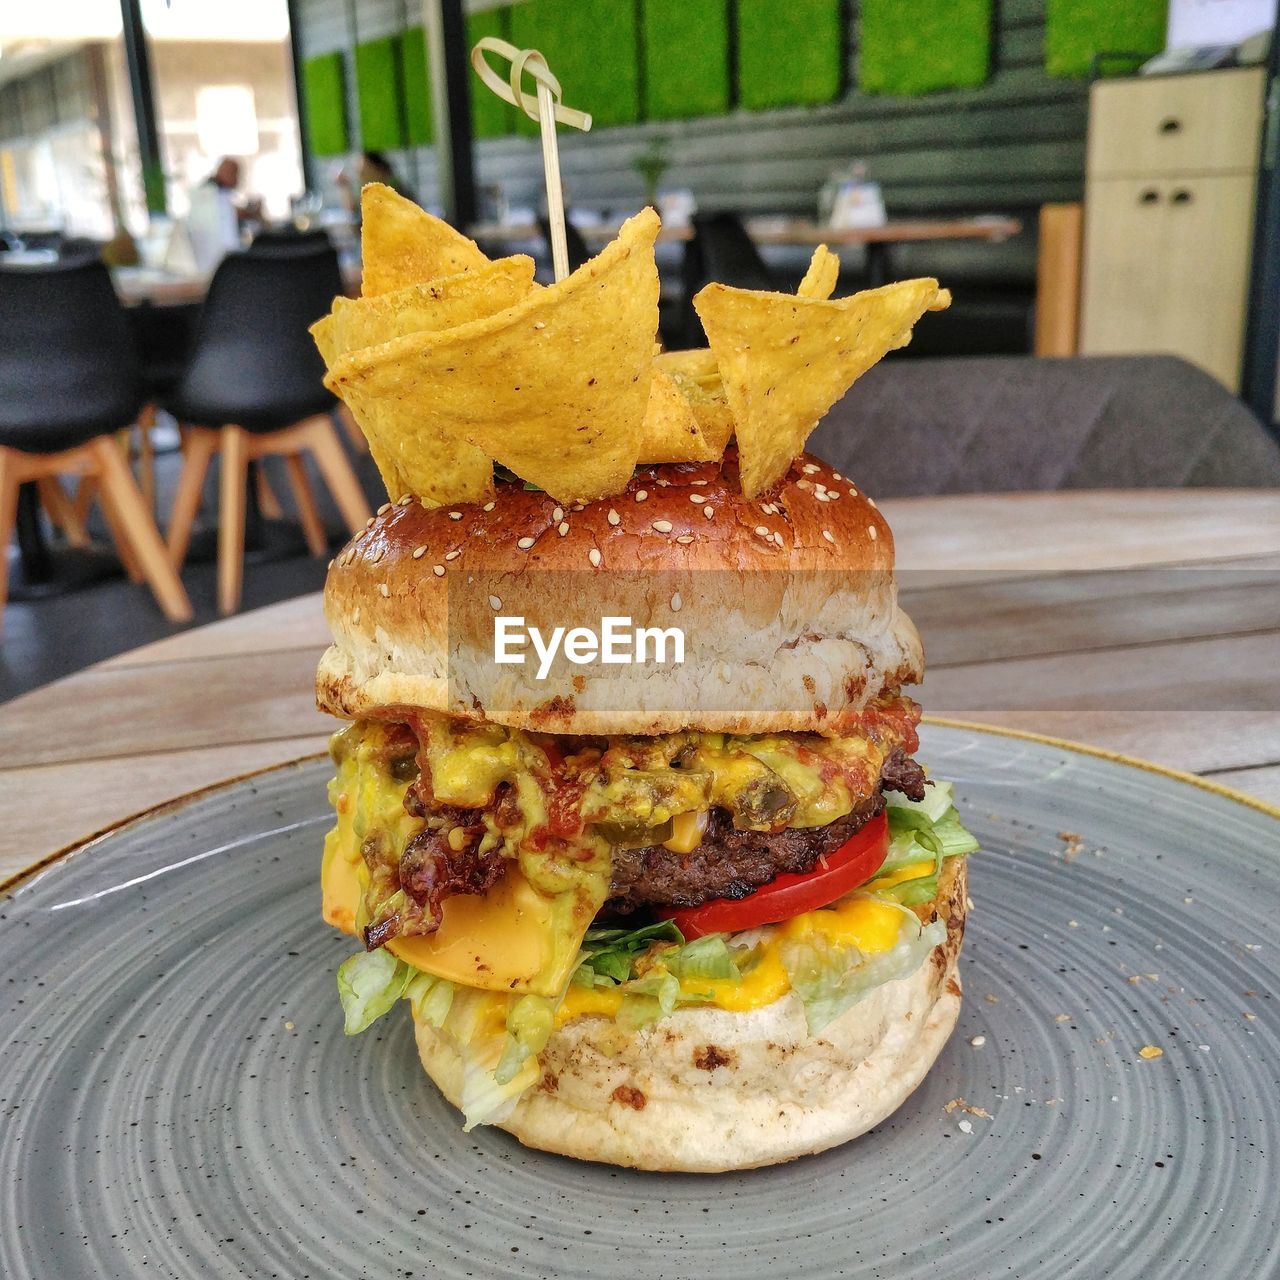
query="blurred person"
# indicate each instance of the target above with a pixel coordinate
(371, 166)
(215, 219)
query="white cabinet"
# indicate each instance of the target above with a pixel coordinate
(1169, 217)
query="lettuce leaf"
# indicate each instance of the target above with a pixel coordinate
(927, 830)
(830, 979)
(369, 983)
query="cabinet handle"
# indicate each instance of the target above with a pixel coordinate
(1170, 124)
(1181, 196)
(1149, 196)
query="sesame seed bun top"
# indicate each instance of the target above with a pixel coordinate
(787, 603)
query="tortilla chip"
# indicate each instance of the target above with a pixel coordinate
(404, 245)
(449, 468)
(670, 432)
(820, 280)
(697, 376)
(555, 388)
(438, 304)
(785, 361)
(325, 339)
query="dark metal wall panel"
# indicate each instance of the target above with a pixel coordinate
(1016, 142)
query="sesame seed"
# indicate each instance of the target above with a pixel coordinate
(489, 506)
(419, 552)
(699, 482)
(525, 543)
(696, 497)
(330, 564)
(408, 498)
(871, 502)
(853, 493)
(539, 324)
(614, 517)
(662, 526)
(684, 539)
(837, 475)
(821, 495)
(562, 528)
(871, 532)
(762, 531)
(832, 496)
(383, 590)
(594, 556)
(826, 533)
(809, 469)
(978, 1041)
(558, 514)
(452, 555)
(708, 512)
(438, 570)
(578, 506)
(382, 510)
(455, 515)
(369, 522)
(676, 602)
(777, 537)
(641, 494)
(494, 602)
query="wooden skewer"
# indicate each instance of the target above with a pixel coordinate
(544, 107)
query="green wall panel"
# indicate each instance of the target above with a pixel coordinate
(324, 88)
(593, 49)
(380, 94)
(790, 52)
(685, 58)
(920, 46)
(419, 126)
(490, 116)
(1077, 29)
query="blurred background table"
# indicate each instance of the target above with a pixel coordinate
(1180, 667)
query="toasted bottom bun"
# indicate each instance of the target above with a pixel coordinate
(708, 1090)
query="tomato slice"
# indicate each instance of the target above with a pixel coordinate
(852, 864)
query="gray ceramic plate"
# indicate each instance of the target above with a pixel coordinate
(177, 1097)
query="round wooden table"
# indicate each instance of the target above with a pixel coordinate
(1143, 622)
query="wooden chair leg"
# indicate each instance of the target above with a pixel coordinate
(234, 461)
(308, 513)
(268, 503)
(61, 510)
(355, 436)
(8, 514)
(199, 445)
(338, 474)
(86, 492)
(138, 528)
(147, 456)
(115, 527)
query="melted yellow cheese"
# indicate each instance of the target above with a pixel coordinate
(512, 939)
(913, 871)
(865, 923)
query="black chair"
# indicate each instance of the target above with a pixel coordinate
(253, 388)
(1007, 423)
(722, 250)
(289, 240)
(68, 380)
(575, 245)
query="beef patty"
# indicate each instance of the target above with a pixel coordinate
(732, 864)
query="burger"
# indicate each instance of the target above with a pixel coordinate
(692, 915)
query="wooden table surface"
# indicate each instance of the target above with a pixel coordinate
(796, 231)
(1180, 667)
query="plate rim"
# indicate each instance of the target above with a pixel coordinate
(19, 878)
